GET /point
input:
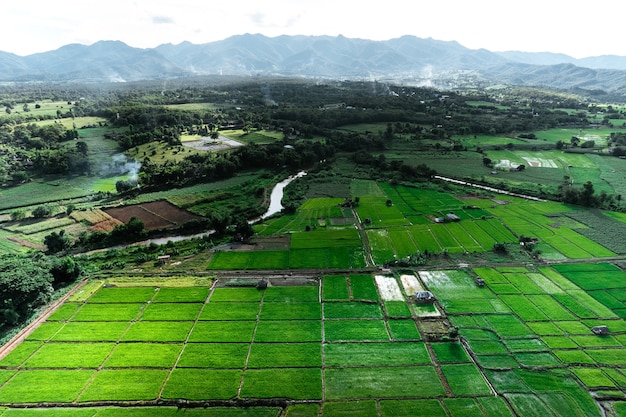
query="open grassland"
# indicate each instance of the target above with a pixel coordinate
(334, 348)
(255, 136)
(598, 135)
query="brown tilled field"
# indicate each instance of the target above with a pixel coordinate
(155, 215)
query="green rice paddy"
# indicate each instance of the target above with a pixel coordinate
(334, 347)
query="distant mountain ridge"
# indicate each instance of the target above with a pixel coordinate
(407, 57)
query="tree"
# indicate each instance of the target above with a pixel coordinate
(521, 167)
(501, 248)
(57, 242)
(487, 162)
(18, 214)
(81, 147)
(587, 198)
(25, 284)
(42, 211)
(125, 185)
(574, 141)
(65, 270)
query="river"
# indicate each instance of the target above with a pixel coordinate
(277, 195)
(275, 207)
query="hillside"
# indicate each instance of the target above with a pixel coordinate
(407, 58)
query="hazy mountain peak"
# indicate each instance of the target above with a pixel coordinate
(404, 58)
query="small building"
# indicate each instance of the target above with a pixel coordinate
(163, 259)
(424, 297)
(453, 217)
(600, 330)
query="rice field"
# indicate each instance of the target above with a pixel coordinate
(351, 343)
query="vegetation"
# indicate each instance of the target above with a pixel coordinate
(89, 177)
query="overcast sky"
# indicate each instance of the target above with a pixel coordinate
(573, 27)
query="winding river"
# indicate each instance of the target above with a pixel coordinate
(275, 207)
(277, 195)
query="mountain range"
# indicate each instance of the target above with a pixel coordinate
(407, 58)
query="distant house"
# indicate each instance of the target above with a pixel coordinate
(424, 297)
(450, 217)
(163, 259)
(453, 217)
(600, 330)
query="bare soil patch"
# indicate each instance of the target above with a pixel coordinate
(155, 215)
(26, 243)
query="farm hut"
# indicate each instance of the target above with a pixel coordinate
(451, 217)
(163, 259)
(600, 330)
(424, 297)
(480, 282)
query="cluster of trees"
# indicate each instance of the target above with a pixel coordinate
(28, 282)
(586, 196)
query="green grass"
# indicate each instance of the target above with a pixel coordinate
(352, 408)
(80, 355)
(525, 345)
(335, 287)
(573, 357)
(144, 355)
(285, 355)
(465, 379)
(336, 330)
(303, 410)
(363, 287)
(288, 331)
(397, 309)
(88, 332)
(222, 331)
(19, 354)
(107, 312)
(412, 408)
(381, 246)
(202, 384)
(124, 385)
(403, 330)
(122, 295)
(394, 382)
(291, 311)
(157, 331)
(171, 312)
(325, 239)
(593, 378)
(292, 294)
(290, 383)
(214, 355)
(449, 352)
(229, 311)
(375, 354)
(35, 386)
(236, 294)
(352, 310)
(181, 295)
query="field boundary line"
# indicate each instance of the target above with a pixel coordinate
(245, 365)
(186, 341)
(30, 328)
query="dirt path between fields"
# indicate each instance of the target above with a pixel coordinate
(26, 331)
